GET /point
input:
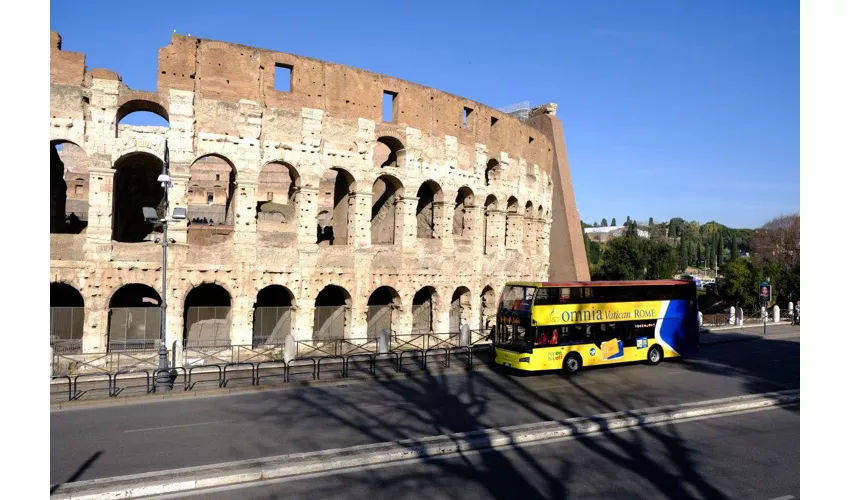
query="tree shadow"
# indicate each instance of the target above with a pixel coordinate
(79, 472)
(439, 403)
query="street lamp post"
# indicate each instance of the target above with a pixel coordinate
(163, 378)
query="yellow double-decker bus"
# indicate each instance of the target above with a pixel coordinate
(565, 326)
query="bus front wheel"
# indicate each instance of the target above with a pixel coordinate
(572, 364)
(655, 355)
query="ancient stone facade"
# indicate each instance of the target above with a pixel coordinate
(331, 205)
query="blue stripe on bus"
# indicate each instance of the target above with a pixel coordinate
(674, 327)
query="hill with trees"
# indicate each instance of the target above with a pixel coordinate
(744, 257)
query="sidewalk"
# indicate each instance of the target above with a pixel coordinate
(723, 334)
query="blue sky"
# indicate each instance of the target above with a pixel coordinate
(671, 108)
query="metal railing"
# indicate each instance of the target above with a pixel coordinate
(222, 364)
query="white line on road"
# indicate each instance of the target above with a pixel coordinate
(786, 497)
(181, 425)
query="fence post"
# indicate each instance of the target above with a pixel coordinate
(776, 314)
(290, 348)
(731, 315)
(791, 309)
(465, 335)
(740, 316)
(699, 318)
(384, 341)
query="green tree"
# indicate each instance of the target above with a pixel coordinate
(604, 222)
(613, 222)
(595, 224)
(628, 219)
(740, 284)
(651, 222)
(633, 258)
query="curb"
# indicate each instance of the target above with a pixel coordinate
(246, 471)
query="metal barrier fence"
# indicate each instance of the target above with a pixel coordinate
(329, 321)
(66, 326)
(133, 328)
(113, 371)
(271, 324)
(207, 325)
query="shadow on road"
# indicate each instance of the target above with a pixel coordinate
(437, 404)
(79, 472)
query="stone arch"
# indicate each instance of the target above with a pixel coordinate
(382, 311)
(206, 316)
(513, 225)
(387, 149)
(335, 189)
(428, 194)
(135, 317)
(211, 189)
(332, 314)
(136, 105)
(491, 203)
(67, 318)
(529, 226)
(491, 172)
(69, 187)
(462, 219)
(135, 186)
(278, 206)
(273, 311)
(387, 191)
(423, 310)
(488, 307)
(461, 309)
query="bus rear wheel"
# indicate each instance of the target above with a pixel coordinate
(655, 355)
(572, 363)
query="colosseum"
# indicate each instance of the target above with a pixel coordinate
(317, 199)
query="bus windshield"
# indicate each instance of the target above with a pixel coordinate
(514, 318)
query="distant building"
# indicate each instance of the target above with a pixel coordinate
(605, 234)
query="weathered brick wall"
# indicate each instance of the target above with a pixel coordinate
(220, 99)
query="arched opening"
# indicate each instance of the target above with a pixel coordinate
(529, 226)
(135, 317)
(141, 113)
(539, 232)
(512, 224)
(69, 188)
(277, 200)
(488, 307)
(491, 173)
(386, 192)
(386, 152)
(426, 219)
(334, 191)
(423, 311)
(332, 317)
(212, 184)
(206, 317)
(462, 219)
(489, 223)
(135, 186)
(67, 317)
(460, 309)
(381, 311)
(272, 315)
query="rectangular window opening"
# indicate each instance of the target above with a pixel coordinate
(389, 107)
(270, 196)
(467, 112)
(78, 189)
(218, 177)
(282, 77)
(210, 198)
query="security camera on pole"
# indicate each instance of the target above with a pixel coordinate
(163, 379)
(766, 295)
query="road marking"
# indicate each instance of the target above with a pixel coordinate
(786, 497)
(181, 425)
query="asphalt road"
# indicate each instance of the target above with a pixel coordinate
(143, 437)
(753, 456)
